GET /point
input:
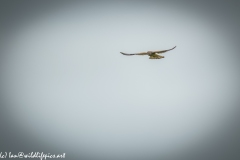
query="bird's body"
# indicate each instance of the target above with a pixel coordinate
(151, 54)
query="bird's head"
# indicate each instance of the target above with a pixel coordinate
(149, 52)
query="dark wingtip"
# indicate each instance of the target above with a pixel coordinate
(124, 54)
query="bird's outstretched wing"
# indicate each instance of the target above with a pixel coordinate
(162, 51)
(141, 53)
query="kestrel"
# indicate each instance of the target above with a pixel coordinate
(151, 54)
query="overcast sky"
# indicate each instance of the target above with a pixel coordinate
(65, 84)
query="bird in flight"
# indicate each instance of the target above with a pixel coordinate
(151, 54)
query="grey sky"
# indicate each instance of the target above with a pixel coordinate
(68, 86)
